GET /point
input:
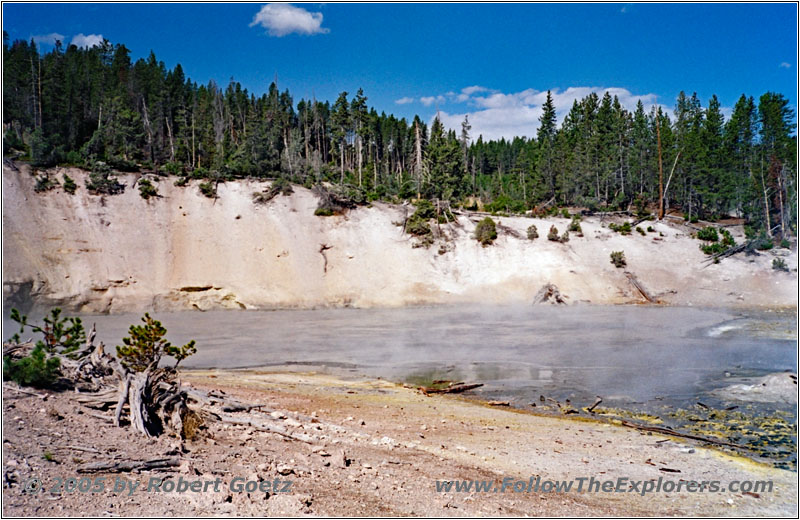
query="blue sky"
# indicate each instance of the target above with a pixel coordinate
(491, 61)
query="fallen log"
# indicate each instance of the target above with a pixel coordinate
(673, 433)
(596, 402)
(509, 231)
(129, 465)
(79, 448)
(457, 389)
(22, 391)
(639, 287)
(271, 428)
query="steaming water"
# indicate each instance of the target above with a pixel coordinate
(644, 358)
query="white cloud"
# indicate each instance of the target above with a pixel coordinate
(466, 92)
(87, 40)
(517, 114)
(429, 100)
(283, 19)
(404, 100)
(786, 65)
(48, 39)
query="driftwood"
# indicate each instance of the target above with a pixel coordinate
(596, 402)
(23, 391)
(263, 426)
(549, 292)
(639, 287)
(455, 389)
(129, 465)
(79, 448)
(149, 396)
(667, 431)
(509, 231)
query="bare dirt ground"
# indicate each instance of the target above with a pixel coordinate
(369, 448)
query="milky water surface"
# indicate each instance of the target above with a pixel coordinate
(627, 354)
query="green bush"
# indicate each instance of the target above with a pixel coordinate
(102, 182)
(282, 186)
(712, 248)
(727, 238)
(618, 259)
(641, 231)
(199, 173)
(63, 335)
(74, 158)
(622, 229)
(182, 181)
(38, 369)
(565, 237)
(69, 185)
(417, 226)
(779, 264)
(123, 165)
(417, 223)
(44, 183)
(764, 244)
(785, 244)
(504, 203)
(486, 231)
(172, 168)
(575, 225)
(146, 189)
(146, 345)
(425, 209)
(641, 207)
(533, 233)
(709, 234)
(552, 235)
(650, 229)
(565, 213)
(208, 189)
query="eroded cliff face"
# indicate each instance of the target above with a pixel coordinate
(183, 250)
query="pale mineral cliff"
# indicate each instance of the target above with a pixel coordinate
(183, 250)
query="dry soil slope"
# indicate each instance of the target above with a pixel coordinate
(183, 250)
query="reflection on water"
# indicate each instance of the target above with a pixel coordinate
(634, 357)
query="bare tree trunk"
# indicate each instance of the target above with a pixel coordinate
(137, 401)
(194, 162)
(663, 199)
(35, 103)
(766, 205)
(418, 157)
(341, 147)
(359, 145)
(781, 189)
(660, 174)
(40, 91)
(147, 128)
(171, 143)
(125, 386)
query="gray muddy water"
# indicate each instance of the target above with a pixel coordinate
(649, 359)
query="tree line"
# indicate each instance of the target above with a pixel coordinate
(82, 106)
